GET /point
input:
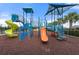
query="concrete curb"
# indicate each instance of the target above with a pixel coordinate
(72, 36)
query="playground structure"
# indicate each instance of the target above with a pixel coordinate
(34, 45)
(27, 28)
(56, 9)
(24, 30)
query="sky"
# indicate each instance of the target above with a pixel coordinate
(6, 9)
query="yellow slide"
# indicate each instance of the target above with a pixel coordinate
(44, 37)
(10, 32)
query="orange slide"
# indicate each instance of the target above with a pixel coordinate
(44, 37)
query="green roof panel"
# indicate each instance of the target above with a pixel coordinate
(57, 7)
(28, 10)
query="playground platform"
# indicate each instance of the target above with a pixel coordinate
(12, 46)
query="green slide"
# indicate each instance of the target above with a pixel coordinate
(13, 27)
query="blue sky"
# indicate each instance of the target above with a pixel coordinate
(6, 9)
(16, 8)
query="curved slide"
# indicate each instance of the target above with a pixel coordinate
(44, 37)
(60, 31)
(57, 31)
(10, 32)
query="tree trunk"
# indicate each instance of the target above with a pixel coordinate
(70, 25)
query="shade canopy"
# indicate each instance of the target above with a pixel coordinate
(14, 17)
(28, 10)
(59, 8)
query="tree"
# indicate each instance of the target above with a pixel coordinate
(72, 18)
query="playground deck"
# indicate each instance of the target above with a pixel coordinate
(35, 46)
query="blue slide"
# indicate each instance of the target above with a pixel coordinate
(59, 29)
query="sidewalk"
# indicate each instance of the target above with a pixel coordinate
(70, 36)
(2, 34)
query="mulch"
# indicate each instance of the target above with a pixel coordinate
(34, 46)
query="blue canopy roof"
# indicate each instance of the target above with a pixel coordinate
(59, 8)
(28, 10)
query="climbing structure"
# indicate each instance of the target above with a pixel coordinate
(27, 28)
(57, 9)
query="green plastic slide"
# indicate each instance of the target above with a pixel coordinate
(13, 27)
